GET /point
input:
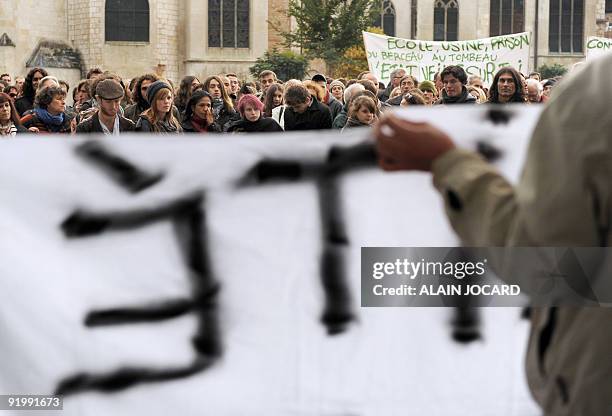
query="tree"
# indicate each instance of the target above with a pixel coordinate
(325, 29)
(354, 61)
(286, 65)
(551, 71)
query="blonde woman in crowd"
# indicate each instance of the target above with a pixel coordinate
(159, 117)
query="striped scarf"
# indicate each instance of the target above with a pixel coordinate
(8, 129)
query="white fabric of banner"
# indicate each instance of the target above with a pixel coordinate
(423, 58)
(264, 246)
(597, 46)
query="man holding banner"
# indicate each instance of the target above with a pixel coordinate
(563, 199)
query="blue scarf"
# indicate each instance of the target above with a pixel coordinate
(48, 119)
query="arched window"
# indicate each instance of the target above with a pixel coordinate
(446, 20)
(507, 16)
(228, 23)
(386, 19)
(126, 20)
(566, 30)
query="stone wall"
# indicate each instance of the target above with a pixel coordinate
(277, 12)
(27, 23)
(200, 60)
(474, 22)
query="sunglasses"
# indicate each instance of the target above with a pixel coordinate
(13, 95)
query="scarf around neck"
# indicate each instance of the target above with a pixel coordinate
(454, 100)
(49, 119)
(217, 106)
(199, 124)
(8, 129)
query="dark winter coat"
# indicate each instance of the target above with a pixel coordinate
(92, 125)
(316, 117)
(144, 125)
(32, 120)
(246, 126)
(464, 98)
(23, 104)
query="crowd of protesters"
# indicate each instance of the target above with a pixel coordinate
(105, 103)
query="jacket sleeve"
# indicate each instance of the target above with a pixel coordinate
(326, 119)
(84, 126)
(143, 125)
(26, 121)
(214, 128)
(339, 121)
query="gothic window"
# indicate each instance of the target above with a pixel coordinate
(446, 20)
(228, 23)
(386, 20)
(126, 20)
(566, 29)
(507, 16)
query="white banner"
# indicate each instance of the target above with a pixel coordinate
(423, 58)
(97, 240)
(597, 46)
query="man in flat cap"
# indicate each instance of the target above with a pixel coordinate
(107, 119)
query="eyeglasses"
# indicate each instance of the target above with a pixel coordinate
(13, 95)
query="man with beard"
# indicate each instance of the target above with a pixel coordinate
(454, 79)
(266, 78)
(107, 119)
(234, 85)
(507, 87)
(141, 104)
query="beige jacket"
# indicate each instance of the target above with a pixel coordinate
(563, 199)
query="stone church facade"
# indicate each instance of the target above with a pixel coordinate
(69, 36)
(559, 28)
(201, 37)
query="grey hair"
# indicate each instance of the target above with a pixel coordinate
(47, 78)
(473, 77)
(536, 83)
(352, 90)
(395, 73)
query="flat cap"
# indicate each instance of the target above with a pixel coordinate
(109, 89)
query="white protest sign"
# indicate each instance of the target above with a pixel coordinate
(263, 247)
(597, 46)
(423, 59)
